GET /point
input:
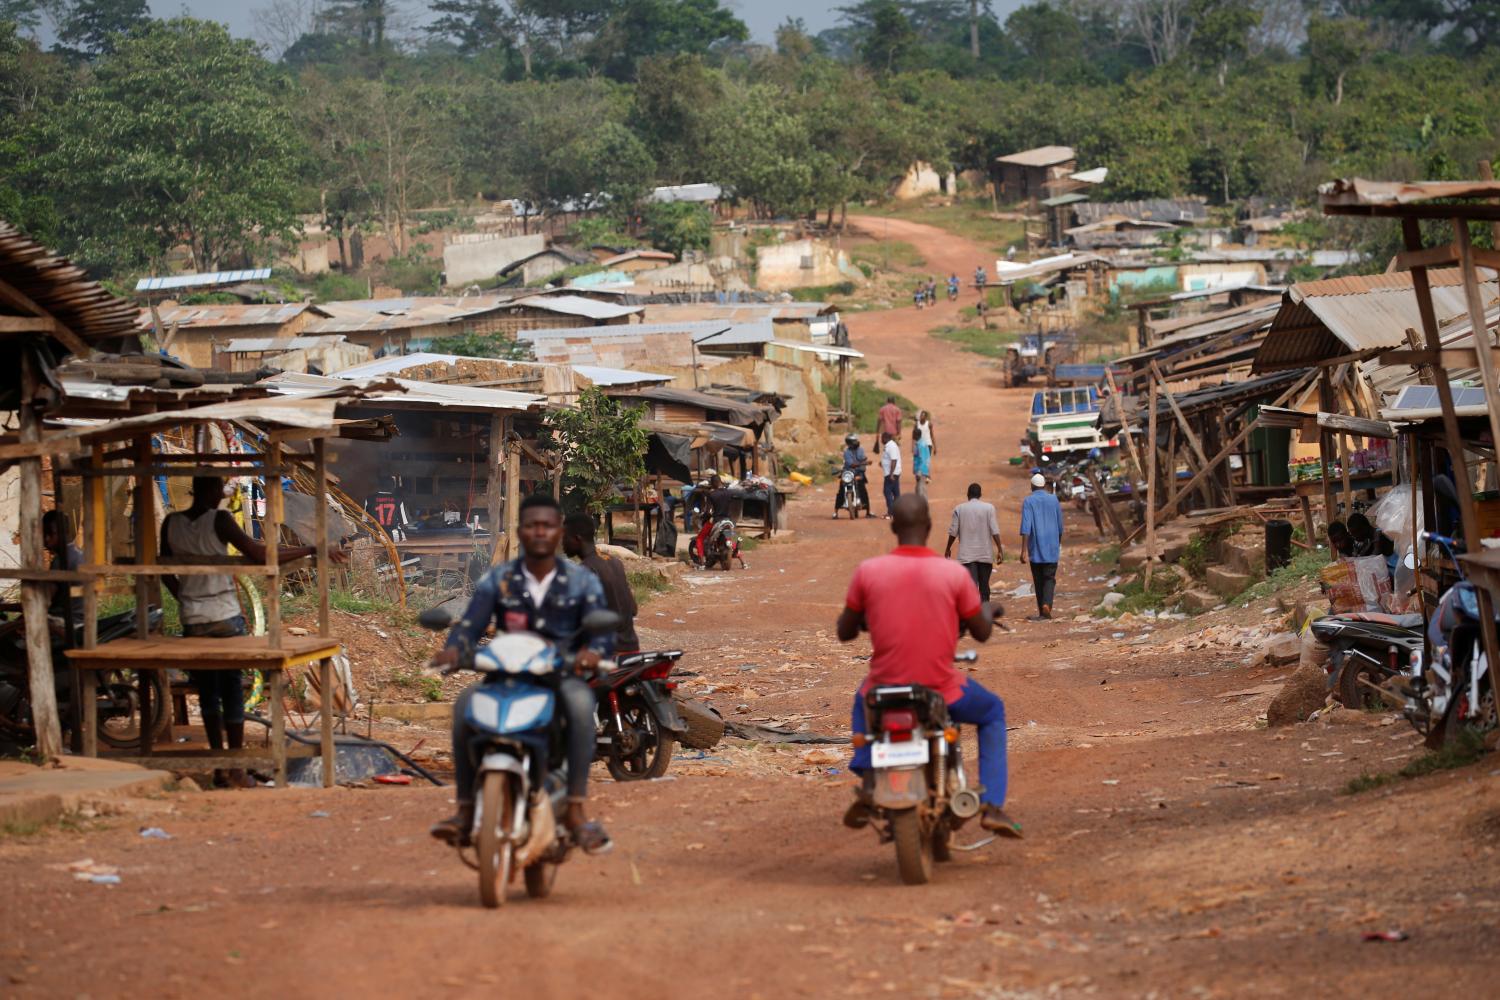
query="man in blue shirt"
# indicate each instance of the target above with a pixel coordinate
(1041, 543)
(542, 593)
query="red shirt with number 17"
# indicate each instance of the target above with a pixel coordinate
(913, 600)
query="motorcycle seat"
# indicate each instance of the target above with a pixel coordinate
(1381, 618)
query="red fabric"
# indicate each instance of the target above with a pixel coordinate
(890, 420)
(912, 601)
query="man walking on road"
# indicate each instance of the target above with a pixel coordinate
(1041, 543)
(976, 529)
(890, 468)
(889, 417)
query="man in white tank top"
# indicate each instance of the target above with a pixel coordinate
(210, 606)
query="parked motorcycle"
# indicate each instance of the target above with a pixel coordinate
(720, 547)
(921, 792)
(520, 785)
(116, 692)
(1367, 652)
(638, 717)
(1453, 686)
(852, 494)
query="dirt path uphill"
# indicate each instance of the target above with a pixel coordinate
(1173, 848)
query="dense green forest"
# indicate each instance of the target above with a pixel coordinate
(124, 136)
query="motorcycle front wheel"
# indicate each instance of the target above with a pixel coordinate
(496, 852)
(650, 758)
(913, 849)
(120, 708)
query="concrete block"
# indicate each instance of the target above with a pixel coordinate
(1226, 582)
(1198, 599)
(30, 794)
(1248, 559)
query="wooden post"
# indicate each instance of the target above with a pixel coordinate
(494, 492)
(1110, 514)
(1187, 430)
(1150, 482)
(1344, 464)
(145, 555)
(1481, 333)
(1114, 390)
(94, 522)
(1307, 521)
(1325, 402)
(271, 529)
(640, 529)
(512, 496)
(34, 556)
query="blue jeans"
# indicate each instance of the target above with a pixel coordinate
(976, 706)
(220, 692)
(892, 491)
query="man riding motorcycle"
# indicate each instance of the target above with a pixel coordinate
(913, 602)
(717, 508)
(856, 461)
(540, 593)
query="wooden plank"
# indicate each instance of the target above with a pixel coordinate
(1357, 425)
(494, 491)
(512, 495)
(27, 324)
(1187, 430)
(189, 569)
(34, 554)
(278, 724)
(1102, 499)
(1114, 390)
(43, 575)
(1307, 520)
(1468, 258)
(321, 564)
(1448, 357)
(213, 653)
(59, 331)
(1151, 478)
(325, 718)
(1438, 256)
(271, 530)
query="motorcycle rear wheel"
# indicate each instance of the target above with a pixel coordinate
(495, 852)
(655, 754)
(121, 729)
(913, 849)
(1353, 694)
(540, 878)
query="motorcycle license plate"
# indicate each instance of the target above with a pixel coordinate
(1078, 491)
(906, 754)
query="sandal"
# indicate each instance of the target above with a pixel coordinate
(995, 820)
(592, 837)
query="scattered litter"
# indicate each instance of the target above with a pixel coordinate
(1110, 781)
(1024, 590)
(88, 870)
(1386, 936)
(1117, 635)
(155, 833)
(317, 814)
(821, 758)
(104, 879)
(393, 779)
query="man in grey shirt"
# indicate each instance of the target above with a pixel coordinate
(977, 532)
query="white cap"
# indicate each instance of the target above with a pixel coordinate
(1038, 480)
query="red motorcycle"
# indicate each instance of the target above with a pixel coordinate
(638, 721)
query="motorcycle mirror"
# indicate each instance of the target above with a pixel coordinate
(1410, 562)
(601, 621)
(434, 619)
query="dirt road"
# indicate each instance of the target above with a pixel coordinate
(1173, 847)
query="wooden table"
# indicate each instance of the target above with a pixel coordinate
(243, 652)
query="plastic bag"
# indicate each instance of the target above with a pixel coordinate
(1391, 515)
(1359, 584)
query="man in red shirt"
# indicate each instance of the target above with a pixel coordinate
(889, 417)
(913, 602)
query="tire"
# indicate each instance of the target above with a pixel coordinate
(495, 853)
(1353, 694)
(724, 561)
(540, 878)
(705, 726)
(913, 850)
(942, 842)
(655, 754)
(122, 732)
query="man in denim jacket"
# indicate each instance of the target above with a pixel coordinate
(550, 596)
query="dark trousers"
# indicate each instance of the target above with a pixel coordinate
(980, 573)
(977, 706)
(575, 699)
(1044, 581)
(892, 491)
(221, 693)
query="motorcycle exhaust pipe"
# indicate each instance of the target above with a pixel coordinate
(965, 803)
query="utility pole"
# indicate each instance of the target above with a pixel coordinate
(974, 29)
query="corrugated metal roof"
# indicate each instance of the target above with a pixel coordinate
(735, 312)
(739, 334)
(577, 305)
(824, 351)
(341, 318)
(1041, 156)
(61, 289)
(397, 363)
(1358, 191)
(206, 280)
(1325, 319)
(686, 192)
(629, 255)
(252, 345)
(1009, 272)
(197, 317)
(618, 376)
(405, 393)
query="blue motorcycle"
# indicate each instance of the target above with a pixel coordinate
(520, 785)
(1454, 687)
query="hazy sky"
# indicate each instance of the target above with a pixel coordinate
(761, 15)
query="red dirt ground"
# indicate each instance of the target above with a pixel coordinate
(1173, 847)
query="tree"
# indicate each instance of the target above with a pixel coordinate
(674, 96)
(1334, 47)
(602, 444)
(1164, 28)
(365, 23)
(88, 28)
(887, 39)
(280, 24)
(759, 149)
(678, 226)
(182, 138)
(475, 25)
(26, 15)
(638, 29)
(607, 167)
(1221, 32)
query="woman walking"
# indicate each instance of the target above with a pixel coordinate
(921, 461)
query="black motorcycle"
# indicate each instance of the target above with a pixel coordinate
(116, 691)
(638, 718)
(1367, 651)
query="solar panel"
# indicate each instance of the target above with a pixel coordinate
(1425, 397)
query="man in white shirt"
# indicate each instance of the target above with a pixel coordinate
(977, 531)
(890, 467)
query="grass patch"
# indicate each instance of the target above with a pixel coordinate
(1109, 555)
(866, 399)
(1463, 751)
(819, 470)
(1163, 589)
(977, 340)
(646, 584)
(888, 255)
(822, 293)
(336, 286)
(20, 828)
(1304, 566)
(971, 218)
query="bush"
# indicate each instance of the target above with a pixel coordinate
(821, 293)
(866, 399)
(335, 286)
